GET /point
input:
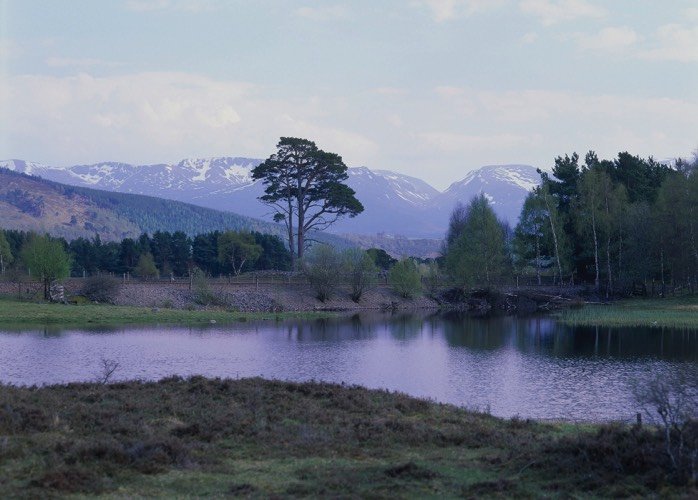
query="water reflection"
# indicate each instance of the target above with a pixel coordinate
(529, 366)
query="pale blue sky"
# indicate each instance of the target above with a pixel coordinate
(430, 88)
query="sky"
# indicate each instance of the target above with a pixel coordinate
(429, 88)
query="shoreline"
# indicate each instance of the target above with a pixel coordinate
(23, 314)
(152, 303)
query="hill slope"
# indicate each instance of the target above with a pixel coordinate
(32, 203)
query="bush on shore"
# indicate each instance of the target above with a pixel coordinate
(323, 268)
(101, 288)
(405, 279)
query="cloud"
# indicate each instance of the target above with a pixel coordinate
(613, 38)
(9, 49)
(551, 12)
(67, 62)
(529, 38)
(670, 42)
(455, 142)
(446, 10)
(673, 42)
(147, 5)
(163, 117)
(575, 121)
(179, 5)
(390, 91)
(324, 12)
(159, 117)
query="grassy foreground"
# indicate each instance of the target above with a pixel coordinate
(14, 312)
(679, 312)
(257, 438)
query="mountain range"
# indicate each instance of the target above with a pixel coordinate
(394, 203)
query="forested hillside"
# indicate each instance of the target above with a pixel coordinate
(31, 203)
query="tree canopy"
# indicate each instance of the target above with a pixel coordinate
(6, 256)
(238, 249)
(477, 253)
(46, 259)
(306, 188)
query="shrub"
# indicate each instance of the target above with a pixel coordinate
(101, 288)
(381, 258)
(146, 268)
(202, 291)
(432, 277)
(672, 402)
(322, 268)
(405, 279)
(360, 270)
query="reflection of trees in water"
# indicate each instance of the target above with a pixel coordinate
(405, 326)
(365, 326)
(331, 329)
(541, 335)
(662, 343)
(478, 333)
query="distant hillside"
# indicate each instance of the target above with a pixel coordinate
(32, 203)
(398, 246)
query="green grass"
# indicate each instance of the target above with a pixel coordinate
(20, 313)
(681, 312)
(256, 438)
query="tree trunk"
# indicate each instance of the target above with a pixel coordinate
(291, 242)
(597, 282)
(301, 222)
(301, 242)
(552, 227)
(609, 287)
(661, 261)
(538, 258)
(608, 266)
(620, 255)
(693, 237)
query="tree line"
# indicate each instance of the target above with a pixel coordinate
(626, 225)
(162, 254)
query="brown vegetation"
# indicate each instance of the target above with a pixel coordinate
(253, 437)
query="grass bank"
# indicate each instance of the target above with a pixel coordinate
(20, 313)
(256, 438)
(680, 312)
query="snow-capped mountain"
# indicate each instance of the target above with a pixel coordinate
(505, 186)
(394, 203)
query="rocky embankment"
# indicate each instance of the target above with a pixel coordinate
(301, 297)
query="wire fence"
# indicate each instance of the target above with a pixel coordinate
(283, 278)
